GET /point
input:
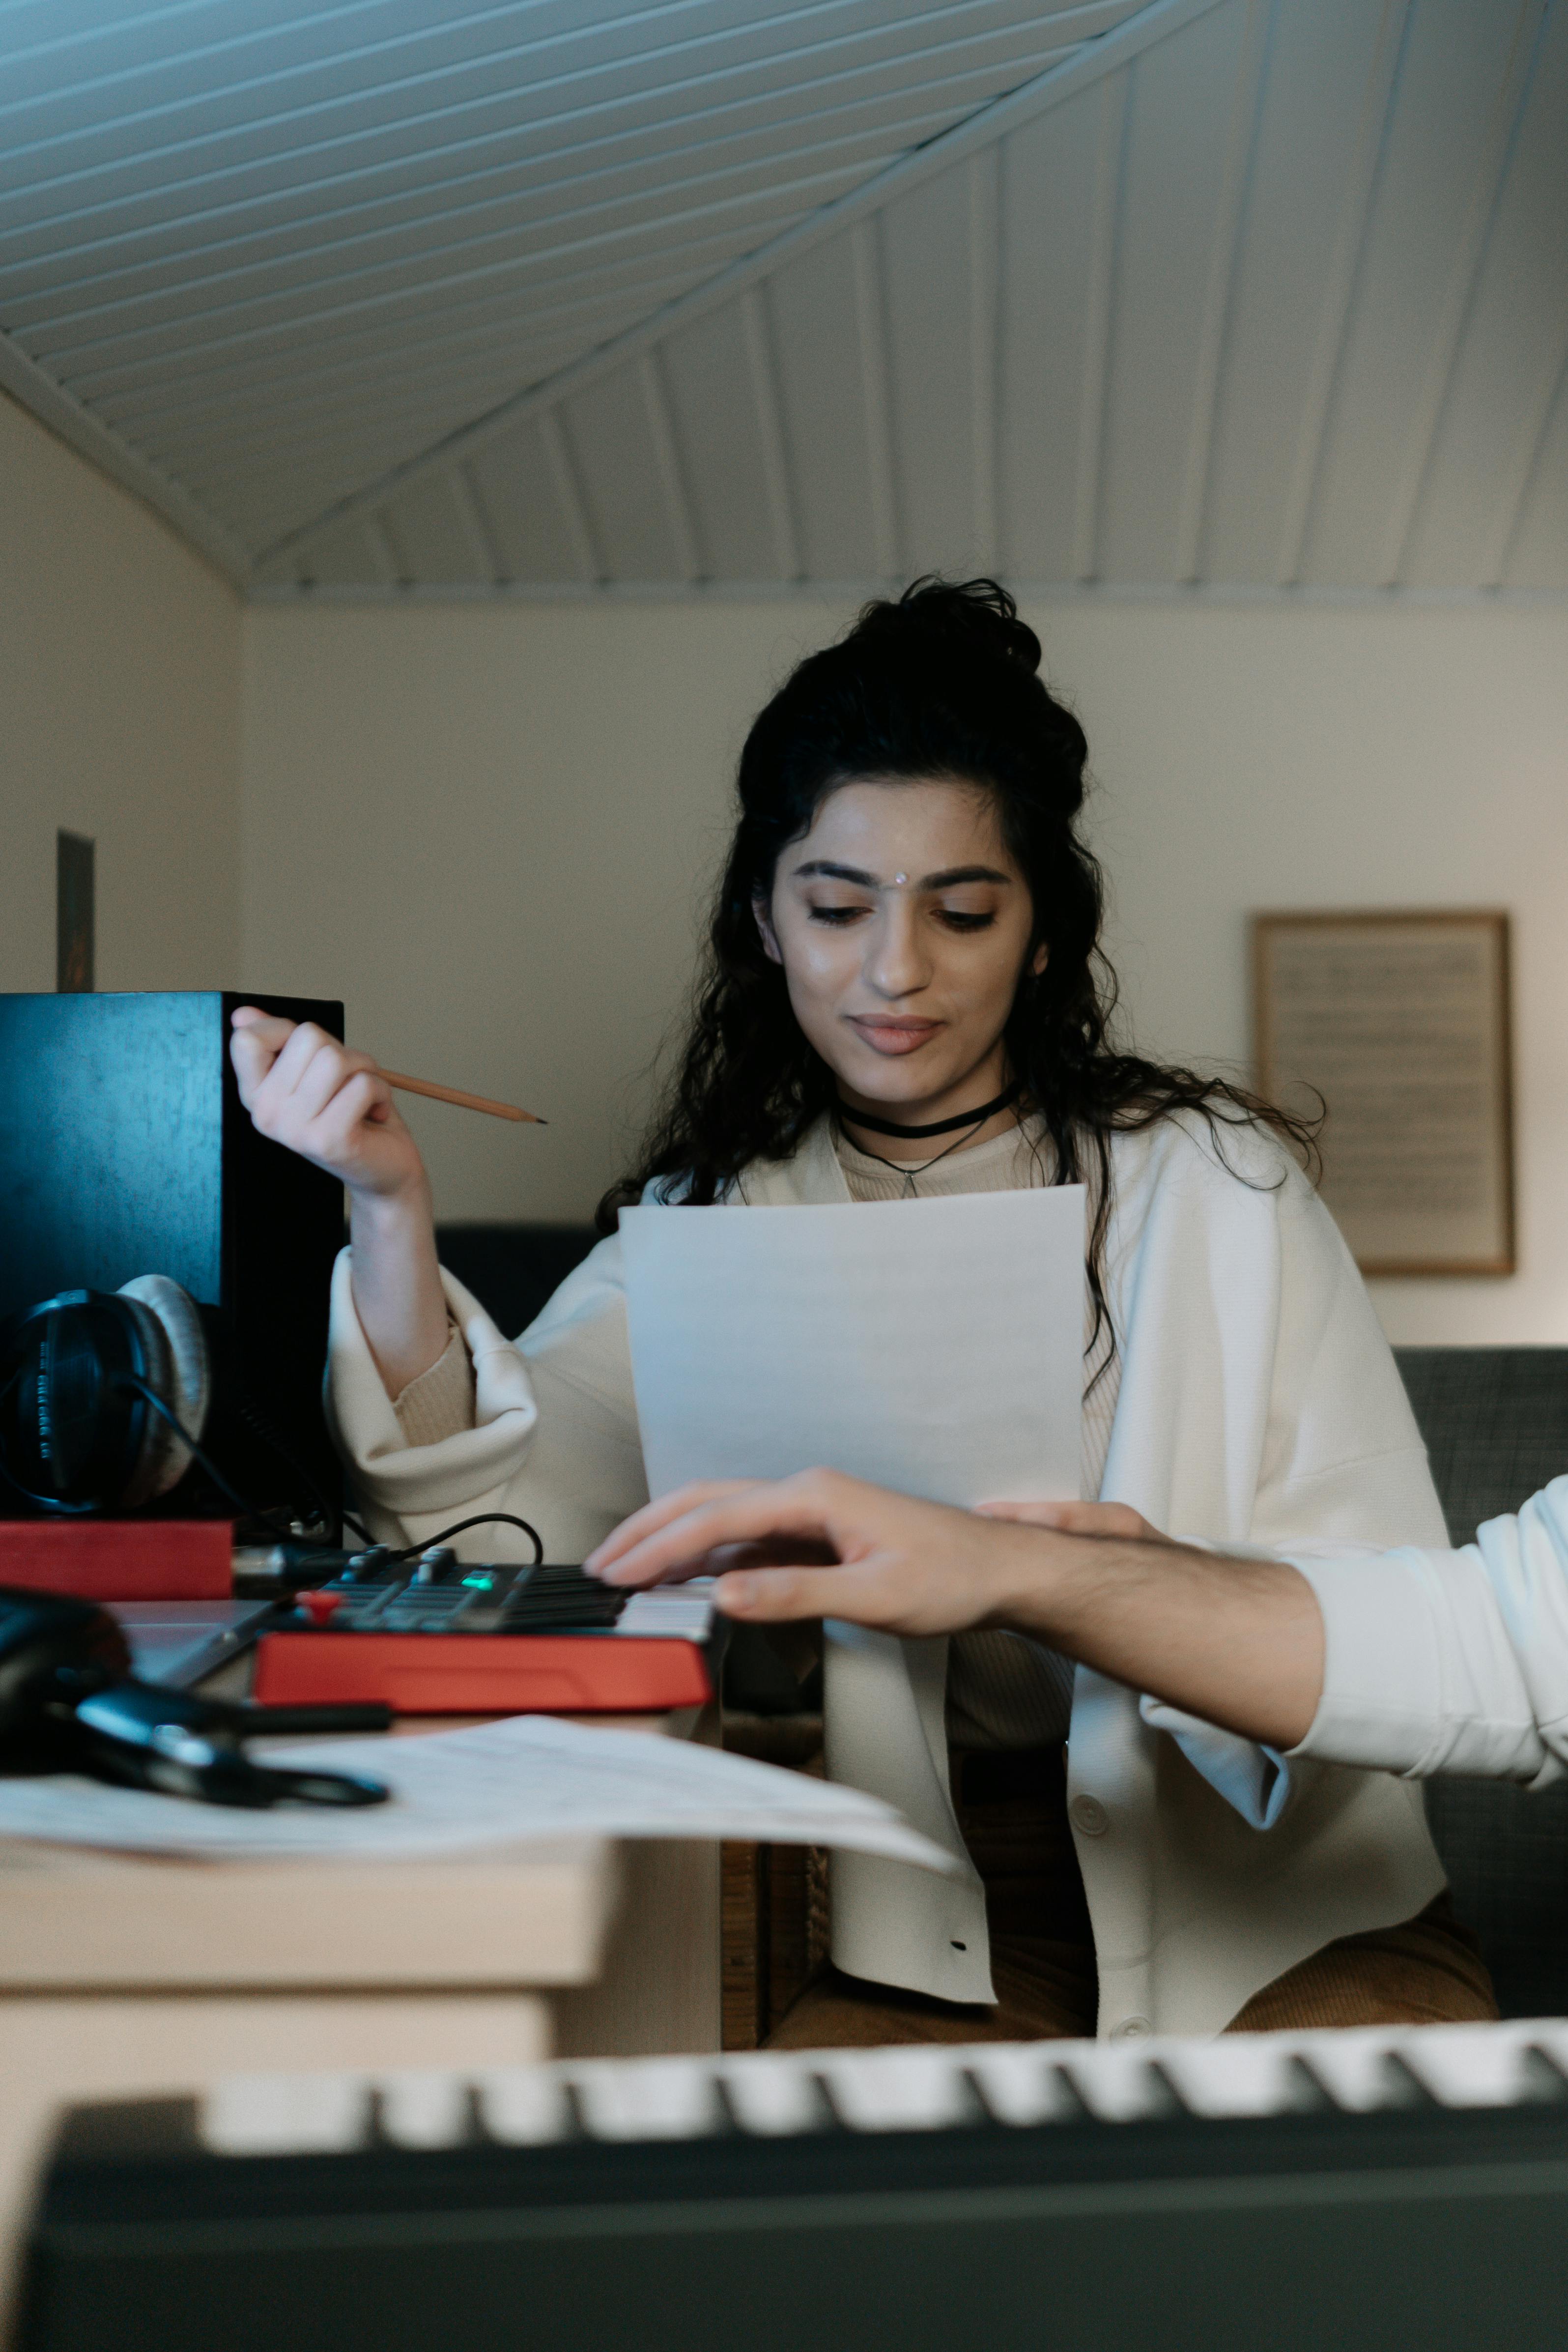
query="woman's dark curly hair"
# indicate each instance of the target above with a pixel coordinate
(944, 683)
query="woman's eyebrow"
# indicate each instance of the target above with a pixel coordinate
(953, 875)
(828, 870)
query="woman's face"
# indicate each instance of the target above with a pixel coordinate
(903, 924)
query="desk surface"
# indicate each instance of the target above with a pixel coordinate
(126, 1974)
(83, 1919)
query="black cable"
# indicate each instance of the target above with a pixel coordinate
(480, 1519)
(250, 1511)
(256, 1421)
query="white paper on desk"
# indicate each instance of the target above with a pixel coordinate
(933, 1345)
(527, 1777)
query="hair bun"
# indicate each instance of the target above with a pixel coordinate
(978, 615)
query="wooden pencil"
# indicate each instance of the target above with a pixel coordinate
(463, 1102)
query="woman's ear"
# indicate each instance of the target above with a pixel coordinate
(1039, 961)
(764, 919)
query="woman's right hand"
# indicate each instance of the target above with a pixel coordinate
(333, 1107)
(327, 1102)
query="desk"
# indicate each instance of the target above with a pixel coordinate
(126, 1974)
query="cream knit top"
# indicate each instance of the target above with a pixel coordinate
(1003, 1690)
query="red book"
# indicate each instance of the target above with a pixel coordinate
(119, 1560)
(481, 1673)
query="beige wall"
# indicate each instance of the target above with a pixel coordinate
(119, 662)
(490, 828)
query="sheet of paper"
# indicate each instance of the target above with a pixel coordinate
(507, 1783)
(934, 1346)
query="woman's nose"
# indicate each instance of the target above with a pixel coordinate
(897, 964)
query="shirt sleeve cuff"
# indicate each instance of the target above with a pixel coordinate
(1382, 1703)
(440, 1402)
(1253, 1780)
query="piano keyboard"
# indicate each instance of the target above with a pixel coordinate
(1384, 2189)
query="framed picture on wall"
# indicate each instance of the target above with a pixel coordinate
(1400, 1022)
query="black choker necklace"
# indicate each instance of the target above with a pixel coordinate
(1003, 1101)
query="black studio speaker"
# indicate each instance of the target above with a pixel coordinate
(125, 1151)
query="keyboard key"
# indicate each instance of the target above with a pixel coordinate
(898, 2089)
(1118, 2083)
(424, 2109)
(525, 2107)
(278, 2115)
(1020, 2083)
(1471, 2066)
(648, 2098)
(774, 2093)
(1240, 2074)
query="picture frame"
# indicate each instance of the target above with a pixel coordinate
(1400, 1021)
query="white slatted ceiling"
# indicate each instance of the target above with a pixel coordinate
(1262, 294)
(281, 249)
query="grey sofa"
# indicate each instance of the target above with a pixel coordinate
(1496, 1424)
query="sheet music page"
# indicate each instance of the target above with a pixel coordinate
(1396, 1026)
(495, 1784)
(934, 1346)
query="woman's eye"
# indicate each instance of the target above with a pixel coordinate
(957, 920)
(836, 916)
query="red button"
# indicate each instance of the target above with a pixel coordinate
(319, 1607)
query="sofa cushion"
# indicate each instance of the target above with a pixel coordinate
(1496, 1424)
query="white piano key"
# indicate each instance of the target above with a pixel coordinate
(1117, 2083)
(1239, 2074)
(1546, 2034)
(425, 2107)
(669, 1614)
(278, 2115)
(648, 2098)
(898, 2089)
(525, 2107)
(773, 2094)
(1470, 2065)
(1354, 2064)
(1021, 2084)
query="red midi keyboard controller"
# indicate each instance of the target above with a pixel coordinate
(437, 1636)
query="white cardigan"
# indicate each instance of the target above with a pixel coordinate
(1450, 1661)
(1259, 1404)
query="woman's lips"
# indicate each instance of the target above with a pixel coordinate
(891, 1036)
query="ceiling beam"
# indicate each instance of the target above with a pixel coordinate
(757, 329)
(985, 335)
(1094, 385)
(1459, 296)
(1339, 290)
(1219, 295)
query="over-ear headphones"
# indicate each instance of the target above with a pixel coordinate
(95, 1388)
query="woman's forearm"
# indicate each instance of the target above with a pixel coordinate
(1239, 1642)
(397, 1287)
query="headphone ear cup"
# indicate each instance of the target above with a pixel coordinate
(171, 1324)
(148, 1474)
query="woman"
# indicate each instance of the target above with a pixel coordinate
(903, 999)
